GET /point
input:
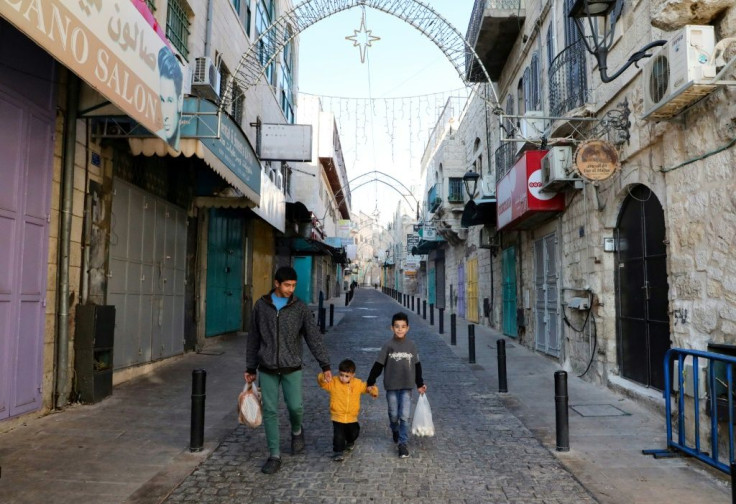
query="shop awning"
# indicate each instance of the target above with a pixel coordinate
(479, 213)
(297, 212)
(425, 247)
(308, 246)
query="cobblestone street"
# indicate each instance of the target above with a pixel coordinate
(481, 453)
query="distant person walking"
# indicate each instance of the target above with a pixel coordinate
(274, 348)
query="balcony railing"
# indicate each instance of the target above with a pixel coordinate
(504, 157)
(568, 84)
(455, 190)
(433, 199)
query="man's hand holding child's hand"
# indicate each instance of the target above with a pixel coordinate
(373, 391)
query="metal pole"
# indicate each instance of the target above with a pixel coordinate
(563, 431)
(501, 351)
(442, 320)
(322, 319)
(733, 481)
(453, 329)
(419, 307)
(332, 313)
(471, 343)
(424, 309)
(196, 439)
(412, 303)
(347, 298)
(431, 313)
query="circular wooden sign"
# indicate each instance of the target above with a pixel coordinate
(596, 160)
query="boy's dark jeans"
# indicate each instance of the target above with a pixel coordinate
(343, 434)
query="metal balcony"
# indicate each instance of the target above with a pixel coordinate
(505, 157)
(493, 29)
(568, 82)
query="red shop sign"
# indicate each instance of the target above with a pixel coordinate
(521, 203)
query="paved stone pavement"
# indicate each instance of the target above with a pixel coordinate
(481, 452)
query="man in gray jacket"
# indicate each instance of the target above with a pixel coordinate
(278, 321)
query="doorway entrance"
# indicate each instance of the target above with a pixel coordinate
(642, 290)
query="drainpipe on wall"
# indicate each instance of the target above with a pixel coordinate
(65, 227)
(208, 29)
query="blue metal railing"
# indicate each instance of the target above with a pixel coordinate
(717, 364)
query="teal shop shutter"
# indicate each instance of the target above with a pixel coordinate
(224, 311)
(508, 287)
(303, 267)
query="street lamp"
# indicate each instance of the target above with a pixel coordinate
(599, 43)
(470, 179)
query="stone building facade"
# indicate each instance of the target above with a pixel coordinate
(623, 268)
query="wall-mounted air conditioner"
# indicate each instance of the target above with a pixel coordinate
(531, 128)
(679, 73)
(556, 167)
(206, 79)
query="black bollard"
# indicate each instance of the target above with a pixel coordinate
(347, 298)
(419, 307)
(196, 437)
(563, 434)
(322, 319)
(431, 313)
(424, 309)
(412, 303)
(453, 329)
(442, 320)
(471, 343)
(501, 349)
(321, 300)
(332, 313)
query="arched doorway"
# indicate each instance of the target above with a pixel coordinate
(642, 290)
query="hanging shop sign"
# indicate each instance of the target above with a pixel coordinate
(412, 240)
(521, 202)
(112, 47)
(596, 160)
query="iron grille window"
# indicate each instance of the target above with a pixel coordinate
(177, 27)
(286, 82)
(151, 5)
(455, 190)
(236, 4)
(238, 104)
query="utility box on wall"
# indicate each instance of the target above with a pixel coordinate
(93, 347)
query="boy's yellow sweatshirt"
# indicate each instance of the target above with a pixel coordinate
(344, 398)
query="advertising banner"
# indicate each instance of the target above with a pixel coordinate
(110, 45)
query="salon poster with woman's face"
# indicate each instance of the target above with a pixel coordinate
(113, 48)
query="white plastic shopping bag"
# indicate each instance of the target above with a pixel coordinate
(249, 406)
(422, 424)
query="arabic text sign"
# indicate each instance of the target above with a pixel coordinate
(107, 43)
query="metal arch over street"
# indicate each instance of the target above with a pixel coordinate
(253, 64)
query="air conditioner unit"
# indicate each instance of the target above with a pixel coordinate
(556, 167)
(679, 73)
(531, 127)
(206, 79)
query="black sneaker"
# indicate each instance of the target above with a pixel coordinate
(349, 447)
(396, 436)
(297, 443)
(403, 451)
(272, 465)
(338, 457)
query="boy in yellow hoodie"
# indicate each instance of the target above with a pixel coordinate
(345, 395)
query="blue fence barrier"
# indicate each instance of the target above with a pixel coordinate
(719, 398)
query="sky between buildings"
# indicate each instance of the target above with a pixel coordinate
(387, 105)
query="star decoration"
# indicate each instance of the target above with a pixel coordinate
(362, 38)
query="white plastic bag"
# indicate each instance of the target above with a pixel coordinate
(422, 424)
(249, 406)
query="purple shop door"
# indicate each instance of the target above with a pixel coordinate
(27, 113)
